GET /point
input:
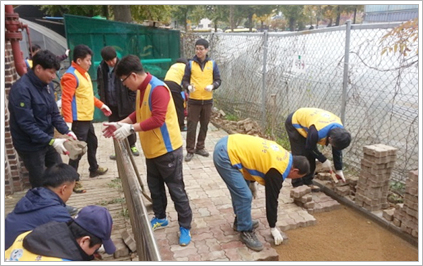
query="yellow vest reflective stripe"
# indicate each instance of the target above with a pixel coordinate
(28, 63)
(167, 138)
(16, 252)
(175, 73)
(255, 156)
(200, 79)
(323, 120)
(83, 99)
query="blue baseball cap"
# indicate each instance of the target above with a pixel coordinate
(98, 221)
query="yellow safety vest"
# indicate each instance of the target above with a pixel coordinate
(16, 252)
(323, 120)
(175, 73)
(255, 156)
(83, 99)
(200, 79)
(164, 139)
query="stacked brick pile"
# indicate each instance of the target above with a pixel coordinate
(302, 197)
(406, 214)
(373, 183)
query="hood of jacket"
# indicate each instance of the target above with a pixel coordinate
(36, 199)
(54, 239)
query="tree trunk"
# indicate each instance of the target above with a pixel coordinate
(355, 15)
(122, 13)
(292, 24)
(105, 11)
(231, 17)
(338, 15)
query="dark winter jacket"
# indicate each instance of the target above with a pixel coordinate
(40, 205)
(125, 98)
(47, 242)
(33, 113)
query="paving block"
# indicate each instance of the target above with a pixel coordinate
(76, 148)
(388, 214)
(129, 240)
(121, 249)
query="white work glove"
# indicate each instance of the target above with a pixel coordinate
(58, 145)
(67, 52)
(106, 110)
(110, 129)
(340, 174)
(327, 165)
(191, 88)
(123, 131)
(276, 236)
(253, 188)
(209, 87)
(69, 124)
(72, 135)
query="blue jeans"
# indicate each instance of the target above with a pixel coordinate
(237, 185)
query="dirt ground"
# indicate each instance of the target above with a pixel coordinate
(345, 235)
(339, 235)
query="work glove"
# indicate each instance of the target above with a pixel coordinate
(106, 110)
(276, 236)
(340, 174)
(67, 52)
(69, 124)
(110, 129)
(123, 131)
(209, 87)
(253, 188)
(58, 146)
(72, 135)
(191, 88)
(327, 165)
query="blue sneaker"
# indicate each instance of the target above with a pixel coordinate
(159, 223)
(184, 237)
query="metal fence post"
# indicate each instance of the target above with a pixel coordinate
(346, 63)
(263, 95)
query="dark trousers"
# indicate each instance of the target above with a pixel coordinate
(168, 169)
(197, 113)
(298, 143)
(114, 117)
(84, 131)
(176, 90)
(37, 161)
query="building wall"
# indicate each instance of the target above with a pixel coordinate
(389, 13)
(15, 173)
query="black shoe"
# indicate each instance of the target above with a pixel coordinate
(249, 238)
(135, 151)
(202, 152)
(255, 224)
(189, 157)
(71, 210)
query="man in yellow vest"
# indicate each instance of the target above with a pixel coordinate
(201, 78)
(157, 125)
(78, 102)
(76, 240)
(173, 80)
(241, 159)
(308, 127)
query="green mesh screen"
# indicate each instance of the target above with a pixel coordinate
(157, 48)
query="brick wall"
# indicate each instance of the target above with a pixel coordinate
(15, 173)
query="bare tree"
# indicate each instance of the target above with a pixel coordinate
(122, 13)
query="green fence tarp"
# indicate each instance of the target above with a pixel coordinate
(157, 48)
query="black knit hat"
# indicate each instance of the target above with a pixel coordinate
(340, 138)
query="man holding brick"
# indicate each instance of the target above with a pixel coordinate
(308, 127)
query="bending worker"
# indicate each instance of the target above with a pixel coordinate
(308, 127)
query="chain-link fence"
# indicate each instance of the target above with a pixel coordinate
(266, 76)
